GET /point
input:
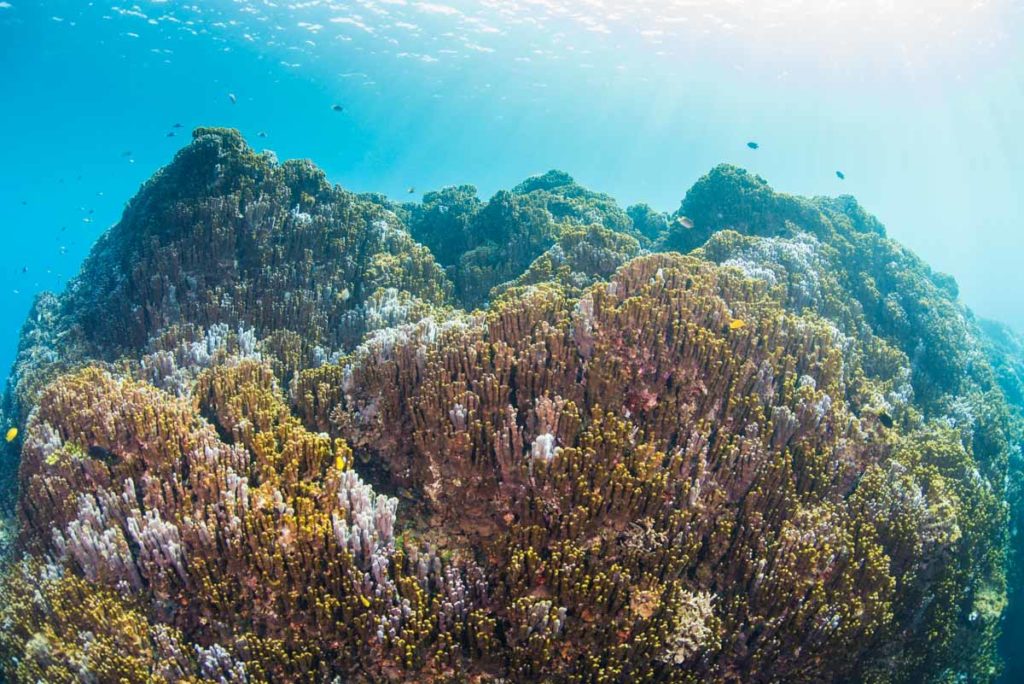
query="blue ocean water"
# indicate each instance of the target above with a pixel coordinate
(911, 107)
(917, 106)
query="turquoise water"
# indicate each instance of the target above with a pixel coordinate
(912, 110)
(918, 108)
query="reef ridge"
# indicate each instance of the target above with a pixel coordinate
(279, 431)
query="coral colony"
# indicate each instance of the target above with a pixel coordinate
(277, 431)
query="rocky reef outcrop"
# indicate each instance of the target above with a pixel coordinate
(277, 431)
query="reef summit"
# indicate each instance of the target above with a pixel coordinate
(278, 431)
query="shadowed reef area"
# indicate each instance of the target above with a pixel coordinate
(278, 431)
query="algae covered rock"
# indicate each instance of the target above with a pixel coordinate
(276, 431)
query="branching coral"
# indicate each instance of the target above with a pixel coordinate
(734, 448)
(260, 442)
(238, 526)
(580, 257)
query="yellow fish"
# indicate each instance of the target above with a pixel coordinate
(365, 601)
(339, 463)
(11, 434)
(736, 324)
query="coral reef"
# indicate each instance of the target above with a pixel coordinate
(580, 257)
(276, 431)
(225, 235)
(483, 245)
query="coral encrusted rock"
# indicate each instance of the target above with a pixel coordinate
(276, 431)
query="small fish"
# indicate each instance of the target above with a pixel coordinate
(339, 463)
(412, 190)
(736, 324)
(126, 153)
(685, 222)
(840, 175)
(752, 145)
(365, 601)
(231, 96)
(24, 269)
(337, 108)
(177, 125)
(171, 134)
(885, 419)
(262, 134)
(12, 433)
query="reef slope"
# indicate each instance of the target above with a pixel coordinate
(278, 431)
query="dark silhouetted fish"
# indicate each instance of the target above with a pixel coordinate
(338, 108)
(231, 96)
(840, 175)
(171, 134)
(177, 125)
(752, 145)
(885, 419)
